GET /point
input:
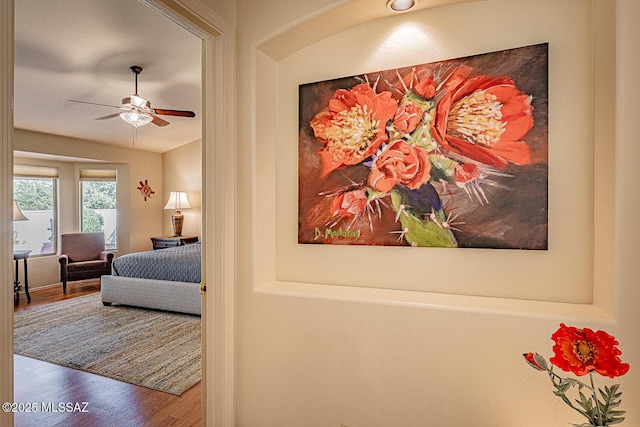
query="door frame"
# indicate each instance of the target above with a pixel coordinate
(218, 213)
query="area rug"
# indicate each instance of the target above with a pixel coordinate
(154, 349)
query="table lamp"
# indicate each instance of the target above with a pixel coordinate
(177, 201)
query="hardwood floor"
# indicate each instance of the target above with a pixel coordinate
(109, 402)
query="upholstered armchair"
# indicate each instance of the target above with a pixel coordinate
(83, 256)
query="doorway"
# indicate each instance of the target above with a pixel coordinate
(218, 251)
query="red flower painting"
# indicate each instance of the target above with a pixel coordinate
(408, 117)
(425, 155)
(400, 164)
(353, 126)
(485, 119)
(349, 204)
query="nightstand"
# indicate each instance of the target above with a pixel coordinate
(162, 242)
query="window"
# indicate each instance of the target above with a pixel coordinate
(35, 192)
(98, 191)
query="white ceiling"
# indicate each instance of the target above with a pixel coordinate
(82, 50)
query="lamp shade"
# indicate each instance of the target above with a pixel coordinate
(178, 201)
(17, 213)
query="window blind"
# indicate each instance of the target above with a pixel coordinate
(98, 175)
(33, 171)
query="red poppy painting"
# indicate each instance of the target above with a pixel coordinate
(446, 154)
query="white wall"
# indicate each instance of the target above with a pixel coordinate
(182, 171)
(319, 353)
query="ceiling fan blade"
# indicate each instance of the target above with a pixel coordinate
(180, 113)
(158, 121)
(95, 103)
(110, 116)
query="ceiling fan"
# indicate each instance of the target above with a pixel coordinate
(137, 110)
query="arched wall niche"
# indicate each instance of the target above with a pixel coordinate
(574, 276)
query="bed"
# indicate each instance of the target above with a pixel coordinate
(164, 279)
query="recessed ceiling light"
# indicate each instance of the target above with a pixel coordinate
(401, 5)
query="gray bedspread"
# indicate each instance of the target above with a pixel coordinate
(177, 264)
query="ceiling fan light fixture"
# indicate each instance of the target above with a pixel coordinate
(136, 119)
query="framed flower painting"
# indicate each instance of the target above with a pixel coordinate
(445, 154)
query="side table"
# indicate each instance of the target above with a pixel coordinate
(21, 255)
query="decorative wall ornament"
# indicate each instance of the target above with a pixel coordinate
(582, 352)
(145, 190)
(445, 154)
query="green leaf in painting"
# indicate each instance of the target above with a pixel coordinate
(423, 232)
